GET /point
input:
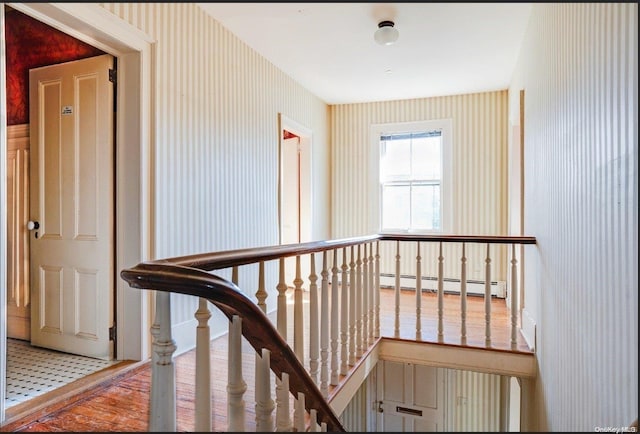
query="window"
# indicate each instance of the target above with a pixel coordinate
(412, 180)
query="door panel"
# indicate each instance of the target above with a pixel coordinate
(71, 118)
(290, 191)
(411, 397)
(18, 297)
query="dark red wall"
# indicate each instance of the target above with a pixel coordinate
(31, 44)
(289, 135)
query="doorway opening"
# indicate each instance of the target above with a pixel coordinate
(295, 190)
(22, 35)
(131, 49)
(32, 329)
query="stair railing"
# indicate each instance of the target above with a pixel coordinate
(191, 275)
(339, 305)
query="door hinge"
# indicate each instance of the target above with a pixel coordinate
(112, 333)
(113, 76)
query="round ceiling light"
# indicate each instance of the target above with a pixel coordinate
(386, 33)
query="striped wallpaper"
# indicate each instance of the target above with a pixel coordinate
(215, 115)
(479, 159)
(579, 71)
(472, 401)
(215, 126)
(479, 165)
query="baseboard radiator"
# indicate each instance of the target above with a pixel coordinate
(451, 286)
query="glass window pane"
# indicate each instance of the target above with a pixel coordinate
(395, 207)
(410, 176)
(425, 207)
(426, 157)
(396, 160)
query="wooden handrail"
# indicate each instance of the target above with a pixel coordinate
(258, 329)
(485, 239)
(232, 258)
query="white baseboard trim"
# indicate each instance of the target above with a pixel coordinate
(498, 289)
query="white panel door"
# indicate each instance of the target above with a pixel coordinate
(290, 191)
(72, 206)
(411, 397)
(290, 202)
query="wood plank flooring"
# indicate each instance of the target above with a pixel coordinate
(118, 399)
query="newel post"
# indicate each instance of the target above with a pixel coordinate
(163, 387)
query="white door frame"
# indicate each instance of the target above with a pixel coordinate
(305, 134)
(96, 26)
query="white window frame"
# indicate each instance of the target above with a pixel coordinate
(446, 190)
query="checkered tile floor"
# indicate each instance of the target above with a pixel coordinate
(33, 371)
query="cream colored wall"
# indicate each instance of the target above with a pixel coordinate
(578, 67)
(473, 401)
(215, 142)
(479, 159)
(479, 168)
(215, 112)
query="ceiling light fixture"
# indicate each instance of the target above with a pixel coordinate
(386, 33)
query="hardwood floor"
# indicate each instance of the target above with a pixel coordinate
(118, 399)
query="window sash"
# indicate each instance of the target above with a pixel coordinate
(438, 151)
(402, 210)
(400, 184)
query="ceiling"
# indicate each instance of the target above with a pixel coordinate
(443, 48)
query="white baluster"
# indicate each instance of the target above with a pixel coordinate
(283, 413)
(335, 310)
(313, 424)
(282, 302)
(396, 328)
(377, 290)
(514, 297)
(440, 294)
(323, 427)
(163, 406)
(359, 303)
(282, 392)
(203, 368)
(463, 297)
(155, 380)
(264, 403)
(372, 298)
(299, 412)
(236, 386)
(298, 319)
(418, 293)
(314, 343)
(234, 275)
(487, 298)
(324, 328)
(344, 317)
(365, 298)
(352, 309)
(235, 415)
(261, 293)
